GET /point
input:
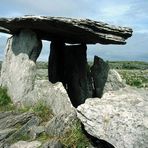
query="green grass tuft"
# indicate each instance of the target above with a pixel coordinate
(4, 98)
(75, 138)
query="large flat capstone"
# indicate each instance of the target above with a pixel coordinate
(67, 30)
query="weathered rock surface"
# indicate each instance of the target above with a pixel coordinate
(114, 81)
(59, 125)
(99, 74)
(67, 29)
(19, 68)
(103, 78)
(14, 125)
(120, 117)
(25, 144)
(54, 95)
(18, 75)
(35, 131)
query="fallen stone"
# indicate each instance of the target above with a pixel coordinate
(67, 29)
(119, 118)
(25, 144)
(53, 144)
(60, 124)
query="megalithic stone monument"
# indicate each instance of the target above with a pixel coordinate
(67, 63)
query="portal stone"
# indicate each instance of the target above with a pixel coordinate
(19, 68)
(68, 64)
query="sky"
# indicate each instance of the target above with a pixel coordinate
(127, 13)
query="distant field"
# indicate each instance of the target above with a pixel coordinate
(128, 65)
(134, 73)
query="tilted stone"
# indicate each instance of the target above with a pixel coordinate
(67, 29)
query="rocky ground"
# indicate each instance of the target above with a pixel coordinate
(119, 119)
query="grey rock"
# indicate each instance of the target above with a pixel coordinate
(5, 114)
(119, 118)
(60, 124)
(71, 71)
(25, 144)
(54, 95)
(53, 144)
(24, 130)
(114, 81)
(19, 72)
(35, 131)
(70, 30)
(104, 78)
(14, 119)
(19, 68)
(99, 73)
(6, 133)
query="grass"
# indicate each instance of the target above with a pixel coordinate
(136, 78)
(40, 109)
(75, 137)
(43, 111)
(5, 100)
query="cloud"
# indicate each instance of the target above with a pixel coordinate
(130, 13)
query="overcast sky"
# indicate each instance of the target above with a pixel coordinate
(129, 13)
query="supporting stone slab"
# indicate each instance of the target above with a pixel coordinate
(68, 64)
(19, 68)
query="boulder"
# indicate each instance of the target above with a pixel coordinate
(67, 29)
(114, 81)
(119, 118)
(54, 95)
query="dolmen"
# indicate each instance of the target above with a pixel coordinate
(67, 61)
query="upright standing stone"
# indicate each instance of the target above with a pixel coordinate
(99, 72)
(56, 62)
(76, 73)
(19, 68)
(68, 64)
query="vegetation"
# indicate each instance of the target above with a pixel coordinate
(129, 65)
(135, 77)
(40, 109)
(75, 138)
(5, 100)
